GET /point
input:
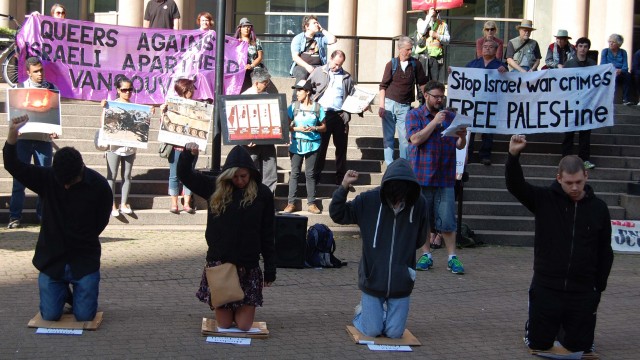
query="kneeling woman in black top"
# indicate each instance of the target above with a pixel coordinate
(240, 227)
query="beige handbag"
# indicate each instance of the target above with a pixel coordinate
(224, 284)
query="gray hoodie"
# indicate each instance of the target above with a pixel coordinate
(389, 240)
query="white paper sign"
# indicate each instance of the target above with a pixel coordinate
(40, 106)
(236, 330)
(228, 340)
(59, 331)
(403, 348)
(557, 100)
(459, 122)
(357, 102)
(625, 235)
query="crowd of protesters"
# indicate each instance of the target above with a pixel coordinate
(421, 183)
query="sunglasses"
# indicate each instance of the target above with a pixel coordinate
(126, 90)
(60, 12)
(490, 29)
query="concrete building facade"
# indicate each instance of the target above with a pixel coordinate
(365, 28)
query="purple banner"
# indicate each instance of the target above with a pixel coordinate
(85, 59)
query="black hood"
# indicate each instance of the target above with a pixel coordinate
(401, 169)
(240, 157)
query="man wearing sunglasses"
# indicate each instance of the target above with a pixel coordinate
(433, 159)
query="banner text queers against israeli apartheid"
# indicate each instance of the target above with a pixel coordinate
(543, 101)
(85, 59)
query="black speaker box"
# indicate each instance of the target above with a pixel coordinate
(291, 235)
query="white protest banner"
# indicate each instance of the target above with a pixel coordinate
(625, 235)
(558, 100)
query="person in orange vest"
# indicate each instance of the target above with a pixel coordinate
(432, 35)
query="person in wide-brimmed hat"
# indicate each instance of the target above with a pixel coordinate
(523, 53)
(560, 51)
(245, 32)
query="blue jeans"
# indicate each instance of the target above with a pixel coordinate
(53, 293)
(393, 120)
(174, 183)
(374, 320)
(42, 154)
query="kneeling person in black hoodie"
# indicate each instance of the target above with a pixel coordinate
(393, 221)
(572, 253)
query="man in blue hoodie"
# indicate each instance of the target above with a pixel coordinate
(393, 221)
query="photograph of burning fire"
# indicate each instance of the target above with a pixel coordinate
(42, 106)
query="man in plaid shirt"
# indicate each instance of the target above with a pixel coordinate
(433, 158)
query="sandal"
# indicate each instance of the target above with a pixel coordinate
(436, 241)
(188, 209)
(174, 210)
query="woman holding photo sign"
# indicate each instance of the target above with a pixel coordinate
(184, 88)
(117, 155)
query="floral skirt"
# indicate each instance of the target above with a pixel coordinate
(251, 281)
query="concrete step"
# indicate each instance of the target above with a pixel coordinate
(515, 209)
(500, 223)
(159, 217)
(600, 173)
(505, 238)
(502, 195)
(599, 186)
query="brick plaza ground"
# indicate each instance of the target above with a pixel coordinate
(149, 279)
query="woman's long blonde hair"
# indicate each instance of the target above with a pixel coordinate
(224, 190)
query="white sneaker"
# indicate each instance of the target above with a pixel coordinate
(115, 213)
(125, 209)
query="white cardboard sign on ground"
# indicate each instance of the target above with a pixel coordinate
(48, 331)
(403, 348)
(229, 340)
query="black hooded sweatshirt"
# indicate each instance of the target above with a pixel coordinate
(389, 240)
(240, 234)
(572, 246)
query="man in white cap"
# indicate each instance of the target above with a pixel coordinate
(560, 51)
(523, 53)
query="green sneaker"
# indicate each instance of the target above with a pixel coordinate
(588, 165)
(424, 263)
(455, 266)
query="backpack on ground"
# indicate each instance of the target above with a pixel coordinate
(466, 238)
(320, 248)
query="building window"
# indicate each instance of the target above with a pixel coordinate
(72, 8)
(273, 18)
(466, 24)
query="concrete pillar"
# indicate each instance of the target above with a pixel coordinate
(609, 17)
(571, 15)
(183, 16)
(342, 22)
(378, 18)
(131, 12)
(620, 21)
(5, 8)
